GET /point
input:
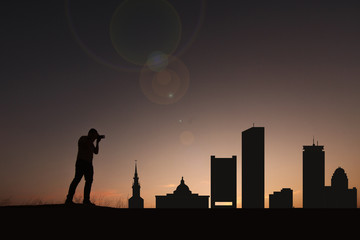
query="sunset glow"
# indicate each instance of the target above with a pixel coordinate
(292, 68)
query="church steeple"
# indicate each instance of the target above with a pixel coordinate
(136, 201)
(136, 174)
(136, 185)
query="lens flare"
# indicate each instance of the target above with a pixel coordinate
(157, 61)
(172, 30)
(187, 138)
(140, 27)
(192, 15)
(166, 86)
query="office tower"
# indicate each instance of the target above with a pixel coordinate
(282, 199)
(182, 198)
(136, 201)
(338, 195)
(253, 168)
(313, 176)
(223, 182)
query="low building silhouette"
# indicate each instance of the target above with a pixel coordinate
(136, 201)
(282, 199)
(182, 198)
(338, 195)
(223, 182)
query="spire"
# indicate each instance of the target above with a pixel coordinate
(313, 141)
(135, 175)
(136, 185)
(136, 201)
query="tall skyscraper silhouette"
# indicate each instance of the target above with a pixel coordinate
(253, 145)
(313, 176)
(136, 201)
(223, 182)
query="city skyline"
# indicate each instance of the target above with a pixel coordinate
(224, 181)
(170, 84)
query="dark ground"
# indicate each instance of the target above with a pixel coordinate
(63, 221)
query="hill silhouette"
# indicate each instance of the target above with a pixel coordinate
(82, 220)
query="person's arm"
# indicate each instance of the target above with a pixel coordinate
(96, 149)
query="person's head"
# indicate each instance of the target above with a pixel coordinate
(93, 134)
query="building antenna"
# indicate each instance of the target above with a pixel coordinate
(313, 141)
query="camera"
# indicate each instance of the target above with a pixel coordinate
(101, 137)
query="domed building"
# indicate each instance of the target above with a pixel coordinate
(339, 179)
(338, 195)
(182, 198)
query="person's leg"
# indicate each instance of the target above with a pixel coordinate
(79, 172)
(89, 173)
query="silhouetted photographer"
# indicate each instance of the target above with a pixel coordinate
(84, 165)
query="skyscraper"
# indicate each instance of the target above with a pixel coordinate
(136, 201)
(313, 176)
(253, 167)
(223, 182)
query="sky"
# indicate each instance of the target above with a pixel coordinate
(171, 83)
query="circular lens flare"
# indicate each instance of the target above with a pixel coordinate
(157, 61)
(138, 28)
(166, 83)
(87, 28)
(166, 86)
(187, 138)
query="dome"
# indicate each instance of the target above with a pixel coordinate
(339, 171)
(182, 189)
(339, 179)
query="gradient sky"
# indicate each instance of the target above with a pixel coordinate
(289, 66)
